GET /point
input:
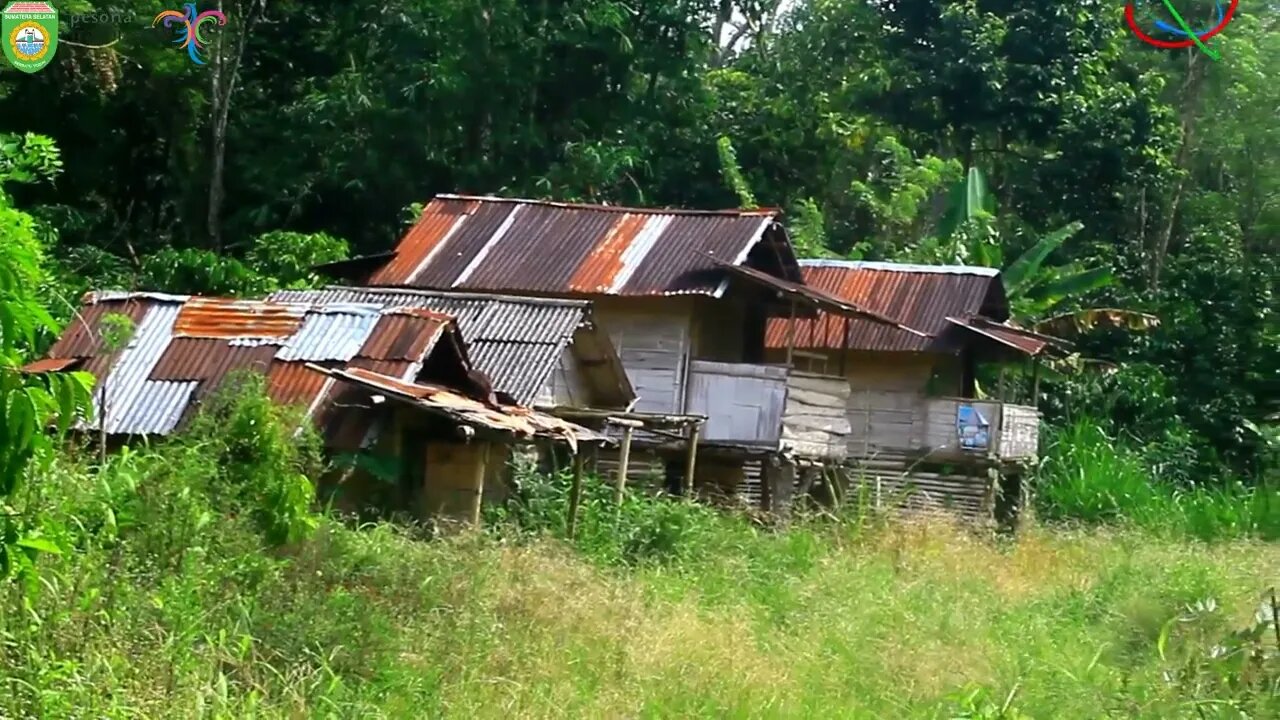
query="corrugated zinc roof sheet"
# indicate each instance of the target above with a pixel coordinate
(918, 296)
(401, 335)
(221, 318)
(516, 341)
(81, 337)
(331, 335)
(124, 386)
(541, 247)
(156, 380)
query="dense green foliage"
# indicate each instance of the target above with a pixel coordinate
(322, 120)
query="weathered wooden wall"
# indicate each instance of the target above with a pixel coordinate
(815, 422)
(1020, 435)
(886, 397)
(566, 386)
(653, 339)
(743, 403)
(718, 325)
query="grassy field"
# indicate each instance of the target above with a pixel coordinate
(834, 620)
(193, 580)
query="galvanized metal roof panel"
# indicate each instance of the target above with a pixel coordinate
(330, 335)
(157, 409)
(490, 325)
(125, 384)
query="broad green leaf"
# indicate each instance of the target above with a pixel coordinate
(1073, 284)
(39, 544)
(976, 198)
(1021, 271)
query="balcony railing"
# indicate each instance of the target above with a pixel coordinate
(887, 423)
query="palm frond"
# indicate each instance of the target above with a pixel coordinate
(1076, 323)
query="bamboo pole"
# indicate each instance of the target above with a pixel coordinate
(477, 498)
(691, 460)
(624, 459)
(1035, 384)
(575, 495)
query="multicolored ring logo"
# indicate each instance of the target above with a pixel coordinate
(1174, 44)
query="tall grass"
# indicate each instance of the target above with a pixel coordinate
(1089, 476)
(184, 589)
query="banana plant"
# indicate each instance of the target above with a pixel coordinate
(1035, 290)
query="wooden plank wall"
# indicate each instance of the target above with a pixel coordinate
(1020, 433)
(743, 403)
(653, 340)
(886, 398)
(815, 422)
(566, 386)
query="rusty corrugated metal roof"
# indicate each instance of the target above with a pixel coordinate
(182, 349)
(542, 247)
(220, 318)
(918, 296)
(1024, 341)
(516, 341)
(519, 421)
(48, 365)
(293, 383)
(81, 337)
(404, 334)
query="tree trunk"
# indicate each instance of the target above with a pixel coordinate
(1190, 95)
(223, 76)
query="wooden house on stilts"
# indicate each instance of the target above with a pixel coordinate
(685, 298)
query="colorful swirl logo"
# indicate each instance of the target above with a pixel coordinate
(1177, 34)
(189, 35)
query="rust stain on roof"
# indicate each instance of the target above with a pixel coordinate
(919, 297)
(293, 383)
(538, 247)
(404, 336)
(423, 239)
(602, 265)
(219, 318)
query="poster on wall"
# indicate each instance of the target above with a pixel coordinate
(973, 428)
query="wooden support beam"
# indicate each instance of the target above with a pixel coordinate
(624, 458)
(575, 496)
(1035, 383)
(791, 334)
(691, 460)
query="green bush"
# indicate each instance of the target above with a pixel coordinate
(1089, 476)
